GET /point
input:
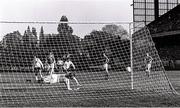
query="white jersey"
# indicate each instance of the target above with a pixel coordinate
(37, 63)
(67, 65)
(60, 62)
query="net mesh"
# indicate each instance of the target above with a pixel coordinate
(101, 52)
(142, 44)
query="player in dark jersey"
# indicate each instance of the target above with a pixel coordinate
(148, 61)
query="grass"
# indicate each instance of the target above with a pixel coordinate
(104, 94)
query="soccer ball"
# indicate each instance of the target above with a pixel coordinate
(128, 69)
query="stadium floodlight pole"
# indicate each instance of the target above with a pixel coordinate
(131, 56)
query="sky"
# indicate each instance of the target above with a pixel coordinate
(52, 10)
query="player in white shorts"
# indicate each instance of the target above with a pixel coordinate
(37, 67)
(67, 67)
(51, 62)
(105, 66)
(148, 61)
(59, 65)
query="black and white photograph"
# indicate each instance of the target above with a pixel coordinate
(89, 53)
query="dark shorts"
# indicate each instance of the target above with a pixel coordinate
(36, 70)
(70, 75)
(59, 68)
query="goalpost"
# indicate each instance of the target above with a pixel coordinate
(109, 58)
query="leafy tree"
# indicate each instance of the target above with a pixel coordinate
(41, 37)
(116, 30)
(95, 44)
(29, 39)
(99, 42)
(28, 29)
(64, 28)
(12, 48)
(64, 41)
(34, 32)
(12, 39)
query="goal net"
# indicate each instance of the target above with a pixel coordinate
(100, 52)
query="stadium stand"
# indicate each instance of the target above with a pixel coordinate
(165, 32)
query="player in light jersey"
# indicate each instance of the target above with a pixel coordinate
(105, 66)
(59, 65)
(68, 65)
(148, 61)
(51, 62)
(37, 67)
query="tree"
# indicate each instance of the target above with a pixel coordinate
(116, 30)
(107, 41)
(41, 37)
(34, 32)
(28, 30)
(11, 48)
(29, 39)
(12, 39)
(95, 44)
(64, 28)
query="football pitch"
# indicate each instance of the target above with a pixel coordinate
(19, 89)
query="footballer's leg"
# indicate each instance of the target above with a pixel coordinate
(72, 76)
(76, 81)
(106, 69)
(40, 73)
(67, 82)
(41, 77)
(146, 67)
(51, 71)
(149, 69)
(36, 74)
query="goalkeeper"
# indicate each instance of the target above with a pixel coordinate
(148, 61)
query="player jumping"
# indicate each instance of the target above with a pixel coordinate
(68, 65)
(148, 60)
(37, 67)
(105, 66)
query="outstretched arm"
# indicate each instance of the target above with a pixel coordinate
(107, 59)
(41, 63)
(151, 58)
(73, 65)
